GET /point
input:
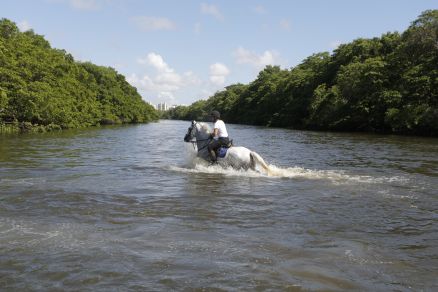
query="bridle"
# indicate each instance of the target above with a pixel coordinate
(195, 142)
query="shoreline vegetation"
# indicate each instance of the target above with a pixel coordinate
(45, 89)
(16, 127)
(386, 84)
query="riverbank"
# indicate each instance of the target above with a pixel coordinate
(26, 127)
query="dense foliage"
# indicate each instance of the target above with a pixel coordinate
(383, 84)
(40, 85)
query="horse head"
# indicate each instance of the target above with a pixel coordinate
(198, 131)
(191, 132)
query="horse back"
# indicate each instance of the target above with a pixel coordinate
(238, 153)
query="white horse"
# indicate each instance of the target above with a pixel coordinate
(236, 157)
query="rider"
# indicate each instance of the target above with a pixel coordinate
(219, 135)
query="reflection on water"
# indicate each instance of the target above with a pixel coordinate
(128, 208)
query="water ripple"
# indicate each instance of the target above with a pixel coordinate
(128, 208)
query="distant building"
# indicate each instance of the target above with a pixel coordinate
(162, 106)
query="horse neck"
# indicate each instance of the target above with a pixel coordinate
(202, 142)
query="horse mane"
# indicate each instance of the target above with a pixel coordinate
(205, 127)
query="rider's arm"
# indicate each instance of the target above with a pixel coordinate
(215, 132)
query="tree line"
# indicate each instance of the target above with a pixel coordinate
(385, 84)
(45, 87)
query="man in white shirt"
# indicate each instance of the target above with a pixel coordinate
(219, 135)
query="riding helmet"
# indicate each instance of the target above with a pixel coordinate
(215, 114)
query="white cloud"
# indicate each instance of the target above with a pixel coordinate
(152, 88)
(219, 69)
(167, 96)
(24, 25)
(244, 56)
(165, 83)
(217, 80)
(218, 73)
(156, 61)
(285, 24)
(259, 9)
(190, 78)
(142, 83)
(150, 23)
(212, 10)
(170, 81)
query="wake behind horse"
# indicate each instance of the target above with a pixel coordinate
(237, 157)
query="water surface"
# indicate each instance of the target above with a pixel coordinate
(127, 208)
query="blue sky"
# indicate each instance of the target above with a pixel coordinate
(180, 51)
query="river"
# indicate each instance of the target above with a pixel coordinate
(126, 208)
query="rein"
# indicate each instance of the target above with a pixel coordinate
(203, 146)
(194, 142)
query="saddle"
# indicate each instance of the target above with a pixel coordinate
(222, 151)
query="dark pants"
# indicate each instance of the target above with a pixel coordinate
(216, 144)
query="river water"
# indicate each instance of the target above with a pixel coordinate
(128, 209)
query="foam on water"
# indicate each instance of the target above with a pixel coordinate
(331, 175)
(195, 165)
(228, 171)
(336, 177)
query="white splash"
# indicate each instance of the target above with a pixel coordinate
(194, 164)
(336, 176)
(202, 167)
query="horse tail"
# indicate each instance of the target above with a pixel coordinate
(257, 159)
